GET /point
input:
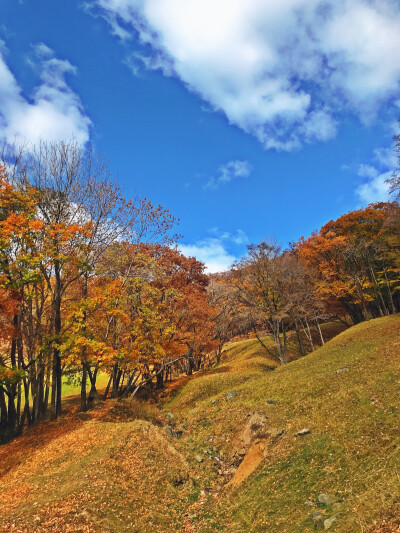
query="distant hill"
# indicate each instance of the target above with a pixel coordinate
(246, 447)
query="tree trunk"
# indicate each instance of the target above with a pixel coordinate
(83, 387)
(300, 340)
(84, 357)
(107, 388)
(320, 332)
(93, 394)
(56, 394)
(390, 293)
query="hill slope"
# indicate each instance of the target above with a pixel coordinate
(223, 454)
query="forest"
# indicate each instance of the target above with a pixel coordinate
(92, 282)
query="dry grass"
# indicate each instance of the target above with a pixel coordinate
(117, 470)
(346, 393)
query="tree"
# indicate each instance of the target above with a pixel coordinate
(229, 316)
(77, 215)
(353, 258)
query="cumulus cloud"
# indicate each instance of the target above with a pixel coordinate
(215, 251)
(228, 172)
(212, 252)
(375, 187)
(367, 171)
(275, 69)
(54, 111)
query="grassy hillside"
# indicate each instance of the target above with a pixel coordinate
(223, 454)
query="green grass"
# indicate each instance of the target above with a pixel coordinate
(71, 389)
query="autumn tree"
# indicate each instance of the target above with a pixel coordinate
(230, 317)
(354, 258)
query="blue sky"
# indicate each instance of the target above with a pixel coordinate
(248, 120)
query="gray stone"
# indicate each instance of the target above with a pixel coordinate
(341, 370)
(169, 417)
(325, 499)
(304, 431)
(173, 431)
(309, 503)
(198, 458)
(328, 523)
(230, 395)
(213, 402)
(271, 401)
(318, 519)
(168, 431)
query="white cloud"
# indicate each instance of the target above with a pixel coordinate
(386, 157)
(52, 112)
(240, 237)
(212, 252)
(275, 69)
(228, 172)
(367, 171)
(375, 190)
(375, 187)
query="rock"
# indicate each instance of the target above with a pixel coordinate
(318, 519)
(168, 431)
(256, 428)
(309, 503)
(169, 417)
(340, 370)
(328, 523)
(198, 458)
(173, 432)
(271, 401)
(325, 499)
(304, 431)
(230, 395)
(213, 402)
